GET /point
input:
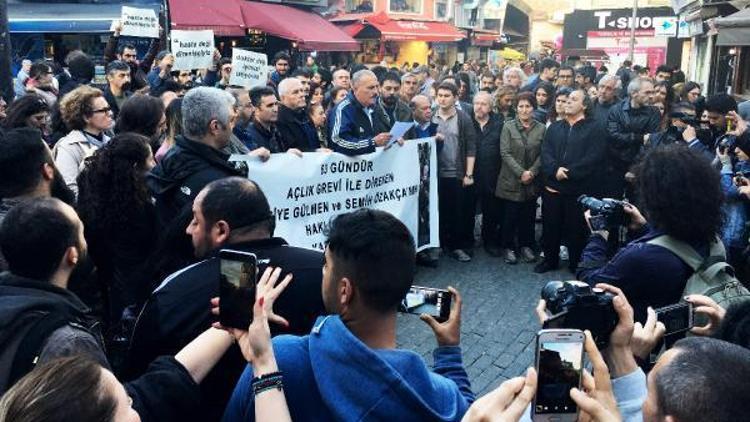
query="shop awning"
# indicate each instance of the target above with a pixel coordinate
(224, 17)
(511, 54)
(309, 30)
(485, 39)
(734, 30)
(409, 30)
(27, 17)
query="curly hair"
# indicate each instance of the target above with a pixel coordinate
(681, 193)
(112, 185)
(23, 108)
(75, 106)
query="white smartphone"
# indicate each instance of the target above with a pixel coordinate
(559, 364)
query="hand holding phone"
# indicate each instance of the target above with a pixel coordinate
(677, 318)
(427, 300)
(238, 272)
(559, 364)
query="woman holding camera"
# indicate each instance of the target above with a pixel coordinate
(572, 154)
(520, 148)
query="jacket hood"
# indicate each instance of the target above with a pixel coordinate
(374, 384)
(20, 295)
(184, 159)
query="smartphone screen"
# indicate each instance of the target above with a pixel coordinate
(238, 272)
(559, 366)
(676, 318)
(426, 300)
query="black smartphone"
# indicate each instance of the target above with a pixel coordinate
(677, 318)
(238, 273)
(559, 365)
(427, 300)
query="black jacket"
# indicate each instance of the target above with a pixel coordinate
(113, 102)
(269, 139)
(581, 149)
(383, 121)
(296, 130)
(488, 159)
(178, 311)
(601, 111)
(24, 304)
(626, 127)
(186, 169)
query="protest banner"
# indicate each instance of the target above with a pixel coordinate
(192, 49)
(139, 23)
(305, 193)
(249, 69)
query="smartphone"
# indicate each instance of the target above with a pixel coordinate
(559, 364)
(730, 123)
(677, 318)
(238, 273)
(427, 300)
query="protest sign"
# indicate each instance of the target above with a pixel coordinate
(249, 69)
(192, 49)
(139, 23)
(305, 193)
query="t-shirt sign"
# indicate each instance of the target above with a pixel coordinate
(192, 49)
(139, 23)
(249, 69)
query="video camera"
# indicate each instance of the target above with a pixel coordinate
(606, 213)
(574, 304)
(688, 119)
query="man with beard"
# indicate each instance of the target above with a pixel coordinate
(27, 171)
(609, 86)
(389, 108)
(718, 107)
(43, 243)
(229, 213)
(118, 85)
(128, 54)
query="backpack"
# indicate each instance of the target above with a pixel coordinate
(712, 276)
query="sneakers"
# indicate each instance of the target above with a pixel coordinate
(544, 266)
(510, 257)
(527, 255)
(460, 256)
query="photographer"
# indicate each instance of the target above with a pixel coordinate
(735, 168)
(684, 127)
(681, 195)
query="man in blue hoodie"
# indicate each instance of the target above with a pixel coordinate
(348, 367)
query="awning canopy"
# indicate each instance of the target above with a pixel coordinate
(224, 17)
(27, 17)
(409, 30)
(485, 39)
(734, 30)
(511, 54)
(309, 30)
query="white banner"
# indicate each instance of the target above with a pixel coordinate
(305, 193)
(139, 23)
(249, 69)
(192, 49)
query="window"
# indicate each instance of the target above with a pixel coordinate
(405, 6)
(358, 6)
(441, 9)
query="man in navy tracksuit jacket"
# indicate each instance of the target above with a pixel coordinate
(350, 122)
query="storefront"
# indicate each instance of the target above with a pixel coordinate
(733, 43)
(401, 41)
(656, 41)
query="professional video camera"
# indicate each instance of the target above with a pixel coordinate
(686, 118)
(574, 304)
(606, 214)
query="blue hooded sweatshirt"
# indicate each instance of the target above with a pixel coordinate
(331, 375)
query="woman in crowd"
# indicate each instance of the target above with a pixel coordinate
(77, 389)
(520, 148)
(337, 95)
(543, 94)
(661, 106)
(119, 218)
(558, 111)
(505, 97)
(29, 111)
(317, 116)
(733, 233)
(463, 82)
(174, 128)
(87, 115)
(42, 82)
(143, 114)
(316, 93)
(691, 92)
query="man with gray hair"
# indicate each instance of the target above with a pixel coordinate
(297, 132)
(196, 159)
(629, 124)
(118, 85)
(350, 124)
(409, 87)
(609, 87)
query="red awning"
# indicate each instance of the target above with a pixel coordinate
(406, 30)
(309, 30)
(485, 39)
(224, 17)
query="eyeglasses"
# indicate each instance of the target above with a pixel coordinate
(102, 110)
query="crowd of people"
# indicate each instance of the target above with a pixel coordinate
(116, 201)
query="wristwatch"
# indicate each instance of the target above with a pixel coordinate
(470, 176)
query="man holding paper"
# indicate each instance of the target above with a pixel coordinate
(390, 109)
(351, 128)
(128, 54)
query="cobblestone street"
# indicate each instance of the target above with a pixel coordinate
(498, 321)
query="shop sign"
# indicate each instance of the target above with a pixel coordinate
(683, 28)
(606, 21)
(695, 27)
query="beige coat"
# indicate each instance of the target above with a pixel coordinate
(520, 151)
